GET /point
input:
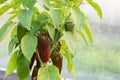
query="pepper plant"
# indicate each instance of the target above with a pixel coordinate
(42, 33)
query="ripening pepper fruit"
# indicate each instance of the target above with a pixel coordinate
(57, 57)
(44, 47)
(57, 61)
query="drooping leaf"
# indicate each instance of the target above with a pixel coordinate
(56, 16)
(82, 34)
(25, 17)
(88, 31)
(12, 64)
(70, 40)
(96, 7)
(28, 45)
(48, 73)
(77, 16)
(5, 29)
(29, 3)
(23, 71)
(67, 55)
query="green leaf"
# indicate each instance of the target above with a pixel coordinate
(46, 4)
(12, 64)
(48, 73)
(21, 31)
(13, 32)
(67, 55)
(5, 29)
(77, 16)
(43, 18)
(35, 26)
(82, 34)
(96, 7)
(7, 6)
(88, 31)
(2, 1)
(56, 15)
(70, 40)
(23, 70)
(4, 9)
(28, 45)
(29, 3)
(25, 17)
(11, 46)
(51, 31)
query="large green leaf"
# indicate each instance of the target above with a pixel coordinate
(82, 34)
(48, 73)
(25, 17)
(12, 64)
(29, 3)
(56, 15)
(23, 70)
(77, 16)
(88, 31)
(28, 45)
(96, 7)
(5, 29)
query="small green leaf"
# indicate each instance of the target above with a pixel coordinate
(29, 3)
(77, 16)
(11, 46)
(12, 64)
(48, 73)
(56, 16)
(23, 70)
(88, 31)
(51, 31)
(82, 34)
(28, 45)
(96, 7)
(5, 29)
(25, 17)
